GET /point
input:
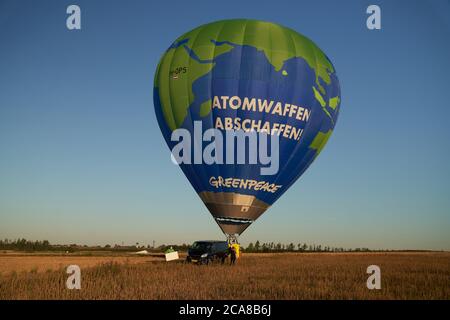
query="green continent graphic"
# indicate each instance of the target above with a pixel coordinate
(266, 36)
(177, 70)
(320, 140)
(334, 102)
(205, 108)
(323, 104)
(175, 106)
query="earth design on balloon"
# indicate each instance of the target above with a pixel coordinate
(268, 66)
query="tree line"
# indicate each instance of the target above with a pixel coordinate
(26, 245)
(45, 245)
(299, 247)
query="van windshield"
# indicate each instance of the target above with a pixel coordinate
(204, 246)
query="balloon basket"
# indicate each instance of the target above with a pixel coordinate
(232, 239)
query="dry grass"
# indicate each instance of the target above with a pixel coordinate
(40, 263)
(274, 276)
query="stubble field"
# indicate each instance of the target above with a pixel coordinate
(256, 276)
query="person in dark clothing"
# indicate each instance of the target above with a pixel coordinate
(232, 255)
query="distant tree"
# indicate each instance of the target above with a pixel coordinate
(250, 247)
(257, 245)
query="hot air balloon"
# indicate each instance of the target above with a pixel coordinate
(247, 75)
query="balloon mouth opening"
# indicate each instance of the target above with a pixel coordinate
(226, 223)
(233, 221)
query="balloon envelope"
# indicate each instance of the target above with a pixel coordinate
(247, 75)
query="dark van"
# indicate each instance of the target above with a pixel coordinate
(204, 252)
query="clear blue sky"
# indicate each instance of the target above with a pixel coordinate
(82, 159)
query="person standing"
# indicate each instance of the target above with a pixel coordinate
(232, 255)
(237, 249)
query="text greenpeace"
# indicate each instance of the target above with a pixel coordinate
(227, 147)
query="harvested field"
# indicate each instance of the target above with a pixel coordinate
(256, 276)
